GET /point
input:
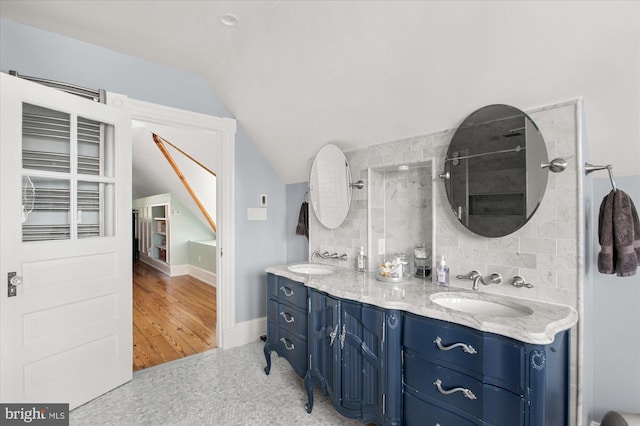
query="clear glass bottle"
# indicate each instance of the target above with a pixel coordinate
(361, 261)
(442, 272)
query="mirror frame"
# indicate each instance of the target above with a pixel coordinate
(330, 186)
(508, 195)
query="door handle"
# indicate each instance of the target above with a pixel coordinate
(13, 281)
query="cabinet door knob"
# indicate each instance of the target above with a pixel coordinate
(333, 335)
(466, 392)
(343, 335)
(465, 347)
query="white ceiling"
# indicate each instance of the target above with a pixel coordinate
(300, 74)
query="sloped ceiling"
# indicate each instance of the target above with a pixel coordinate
(153, 174)
(300, 74)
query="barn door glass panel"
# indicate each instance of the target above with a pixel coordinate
(68, 164)
(89, 146)
(46, 139)
(46, 204)
(95, 210)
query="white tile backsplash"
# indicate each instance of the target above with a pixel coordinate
(544, 251)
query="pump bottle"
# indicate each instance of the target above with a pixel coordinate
(442, 272)
(361, 261)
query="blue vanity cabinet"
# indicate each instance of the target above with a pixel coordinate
(457, 375)
(355, 358)
(286, 322)
(390, 367)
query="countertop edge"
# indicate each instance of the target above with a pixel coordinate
(541, 327)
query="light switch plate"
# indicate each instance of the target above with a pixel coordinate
(256, 214)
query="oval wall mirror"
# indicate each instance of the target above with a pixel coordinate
(495, 180)
(329, 188)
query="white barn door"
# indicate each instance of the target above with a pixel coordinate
(65, 224)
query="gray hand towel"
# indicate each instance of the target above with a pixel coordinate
(626, 231)
(606, 259)
(303, 220)
(619, 235)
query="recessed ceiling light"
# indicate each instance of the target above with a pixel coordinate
(229, 19)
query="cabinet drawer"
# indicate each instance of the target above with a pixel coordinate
(420, 413)
(287, 317)
(287, 291)
(498, 360)
(293, 349)
(494, 405)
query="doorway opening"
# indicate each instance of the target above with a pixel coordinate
(176, 258)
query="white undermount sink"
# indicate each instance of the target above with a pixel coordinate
(472, 304)
(311, 269)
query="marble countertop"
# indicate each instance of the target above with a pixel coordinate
(539, 327)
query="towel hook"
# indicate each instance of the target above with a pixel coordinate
(588, 168)
(359, 184)
(556, 165)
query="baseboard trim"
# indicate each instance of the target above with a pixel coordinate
(154, 263)
(178, 270)
(244, 332)
(203, 275)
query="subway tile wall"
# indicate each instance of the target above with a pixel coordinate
(544, 251)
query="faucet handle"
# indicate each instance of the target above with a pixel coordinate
(494, 278)
(470, 276)
(519, 281)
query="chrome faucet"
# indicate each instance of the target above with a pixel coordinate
(475, 276)
(327, 255)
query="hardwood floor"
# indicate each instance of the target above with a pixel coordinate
(172, 317)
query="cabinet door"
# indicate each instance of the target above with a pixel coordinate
(330, 348)
(324, 347)
(361, 385)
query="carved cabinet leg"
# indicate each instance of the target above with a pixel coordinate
(308, 385)
(267, 354)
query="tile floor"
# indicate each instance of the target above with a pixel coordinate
(212, 388)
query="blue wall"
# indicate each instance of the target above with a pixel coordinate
(39, 53)
(612, 306)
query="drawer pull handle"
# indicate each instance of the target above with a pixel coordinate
(287, 291)
(333, 335)
(467, 348)
(288, 318)
(466, 392)
(285, 342)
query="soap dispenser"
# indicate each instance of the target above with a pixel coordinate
(443, 273)
(361, 261)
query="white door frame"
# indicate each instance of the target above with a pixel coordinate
(225, 189)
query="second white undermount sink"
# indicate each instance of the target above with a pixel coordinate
(311, 269)
(472, 304)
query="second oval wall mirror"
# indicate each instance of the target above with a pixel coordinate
(329, 186)
(495, 180)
